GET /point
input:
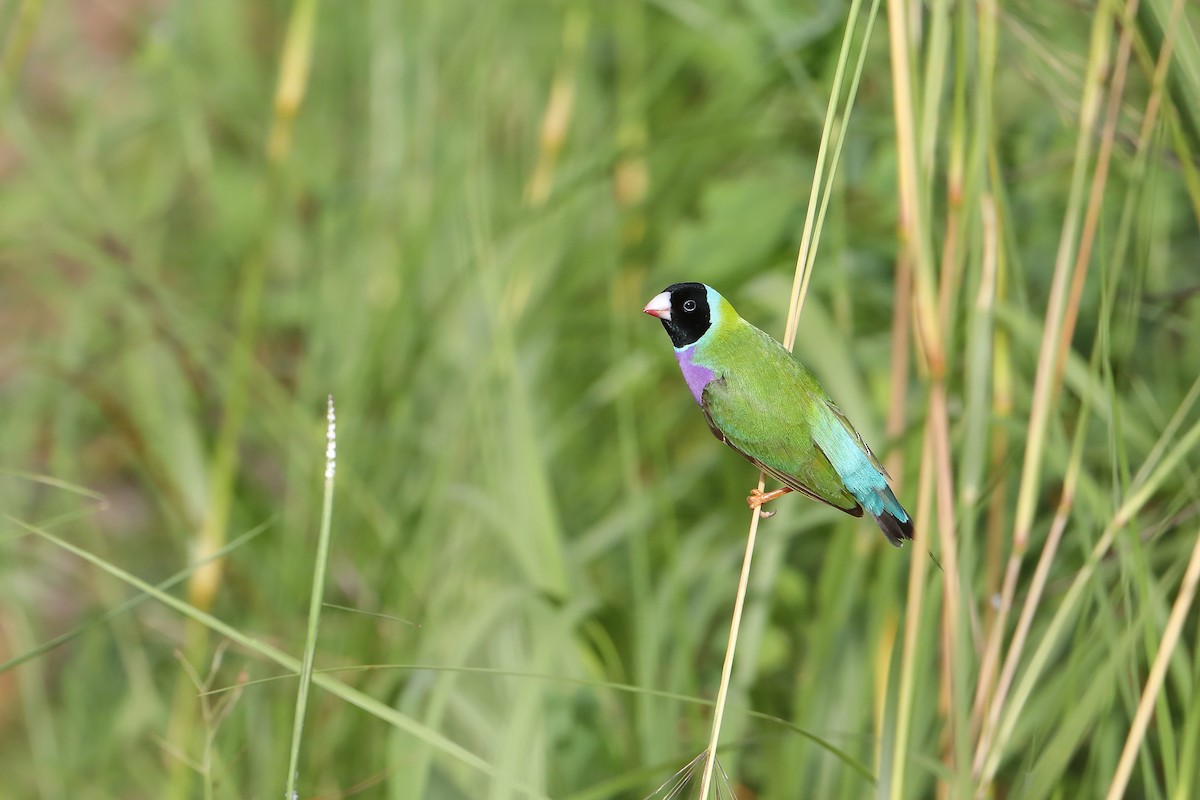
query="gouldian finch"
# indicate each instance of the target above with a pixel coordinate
(762, 402)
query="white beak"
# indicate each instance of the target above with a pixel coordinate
(659, 306)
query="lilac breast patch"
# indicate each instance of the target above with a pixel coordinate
(697, 377)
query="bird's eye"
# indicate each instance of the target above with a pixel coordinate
(689, 305)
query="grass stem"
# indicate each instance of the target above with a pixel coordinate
(727, 668)
(1158, 672)
(315, 601)
(800, 281)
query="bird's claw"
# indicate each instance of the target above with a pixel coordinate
(755, 501)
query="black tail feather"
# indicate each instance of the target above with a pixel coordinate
(894, 529)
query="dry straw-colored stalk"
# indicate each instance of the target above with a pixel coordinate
(1158, 671)
(915, 247)
(559, 106)
(810, 240)
(992, 696)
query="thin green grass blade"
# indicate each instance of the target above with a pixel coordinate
(131, 603)
(316, 599)
(266, 651)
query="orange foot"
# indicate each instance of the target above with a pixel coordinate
(757, 499)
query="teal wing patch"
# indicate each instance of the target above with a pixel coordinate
(859, 469)
(837, 413)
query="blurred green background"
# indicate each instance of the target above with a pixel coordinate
(454, 235)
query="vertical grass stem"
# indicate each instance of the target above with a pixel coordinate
(315, 600)
(804, 259)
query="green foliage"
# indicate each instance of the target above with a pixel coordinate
(521, 472)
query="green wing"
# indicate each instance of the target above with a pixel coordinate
(842, 502)
(763, 406)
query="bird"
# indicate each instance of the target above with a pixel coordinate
(761, 401)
